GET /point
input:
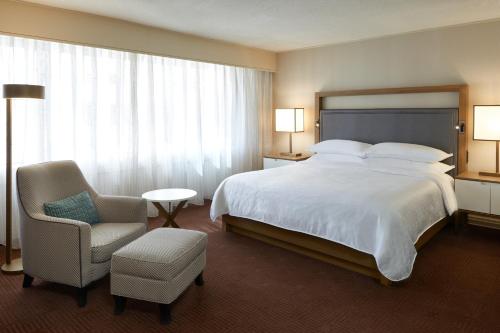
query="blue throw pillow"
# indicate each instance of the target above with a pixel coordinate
(77, 207)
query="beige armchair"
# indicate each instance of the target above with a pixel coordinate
(67, 251)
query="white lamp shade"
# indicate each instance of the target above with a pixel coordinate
(487, 122)
(290, 120)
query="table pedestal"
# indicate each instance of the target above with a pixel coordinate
(169, 216)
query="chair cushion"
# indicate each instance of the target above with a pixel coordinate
(76, 207)
(161, 254)
(106, 238)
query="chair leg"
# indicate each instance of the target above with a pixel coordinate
(165, 317)
(82, 297)
(199, 280)
(27, 281)
(120, 303)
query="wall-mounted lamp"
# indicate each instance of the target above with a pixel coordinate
(487, 128)
(290, 121)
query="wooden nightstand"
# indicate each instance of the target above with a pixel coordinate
(276, 160)
(479, 199)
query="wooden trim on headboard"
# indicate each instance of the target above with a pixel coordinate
(463, 100)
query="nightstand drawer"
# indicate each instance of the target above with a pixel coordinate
(474, 195)
(274, 162)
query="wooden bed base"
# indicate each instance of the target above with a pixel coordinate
(318, 248)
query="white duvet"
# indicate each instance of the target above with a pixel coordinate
(379, 211)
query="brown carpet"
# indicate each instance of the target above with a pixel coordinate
(253, 287)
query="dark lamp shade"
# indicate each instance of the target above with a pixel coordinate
(23, 91)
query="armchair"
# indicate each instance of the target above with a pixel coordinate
(68, 251)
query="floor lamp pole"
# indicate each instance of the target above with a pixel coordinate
(11, 266)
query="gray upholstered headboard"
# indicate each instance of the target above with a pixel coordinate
(434, 127)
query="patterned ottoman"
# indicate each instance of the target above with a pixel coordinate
(158, 267)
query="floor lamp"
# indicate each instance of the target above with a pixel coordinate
(11, 91)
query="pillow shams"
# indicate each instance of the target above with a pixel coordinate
(345, 147)
(335, 158)
(393, 163)
(407, 151)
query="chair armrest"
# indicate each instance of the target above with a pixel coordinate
(70, 222)
(121, 209)
(56, 249)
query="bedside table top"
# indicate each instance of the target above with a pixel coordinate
(468, 175)
(277, 156)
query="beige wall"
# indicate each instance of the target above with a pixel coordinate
(25, 19)
(467, 54)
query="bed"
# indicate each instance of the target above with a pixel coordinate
(369, 220)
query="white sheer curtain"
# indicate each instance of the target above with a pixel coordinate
(133, 122)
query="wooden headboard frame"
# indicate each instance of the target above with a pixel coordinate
(461, 89)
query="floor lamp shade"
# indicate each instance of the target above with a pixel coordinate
(487, 128)
(23, 91)
(290, 121)
(13, 91)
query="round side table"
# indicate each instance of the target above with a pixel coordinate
(170, 196)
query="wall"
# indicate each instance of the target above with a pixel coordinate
(32, 20)
(466, 54)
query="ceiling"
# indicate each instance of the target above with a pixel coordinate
(281, 25)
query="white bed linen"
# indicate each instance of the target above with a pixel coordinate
(379, 211)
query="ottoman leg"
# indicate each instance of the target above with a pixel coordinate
(165, 314)
(199, 279)
(82, 297)
(120, 302)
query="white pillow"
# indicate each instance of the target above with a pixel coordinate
(393, 163)
(407, 151)
(345, 147)
(336, 158)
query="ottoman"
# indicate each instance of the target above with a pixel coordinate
(158, 267)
